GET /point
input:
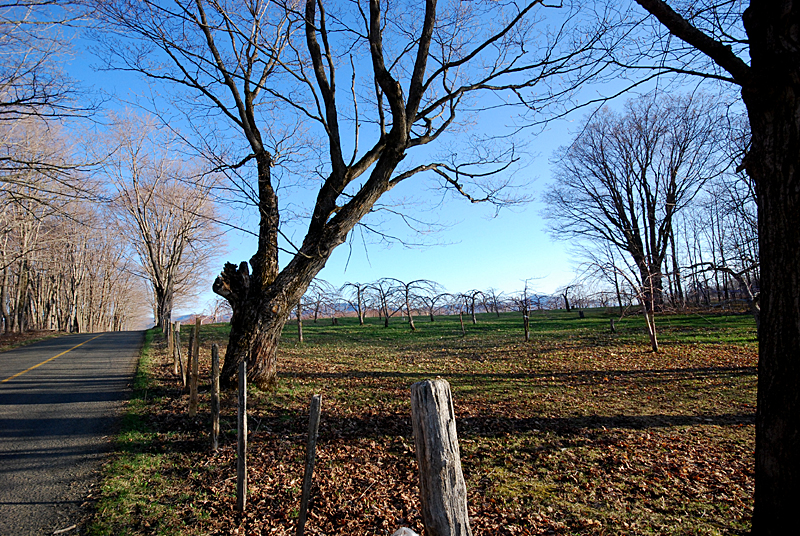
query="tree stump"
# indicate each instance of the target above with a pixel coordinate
(443, 492)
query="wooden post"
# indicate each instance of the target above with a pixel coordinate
(241, 449)
(175, 363)
(189, 346)
(443, 492)
(195, 368)
(214, 397)
(180, 356)
(311, 452)
(299, 323)
(197, 324)
(170, 345)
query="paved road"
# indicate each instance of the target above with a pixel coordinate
(55, 423)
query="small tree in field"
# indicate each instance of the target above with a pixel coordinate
(522, 301)
(409, 293)
(433, 298)
(385, 294)
(493, 299)
(355, 294)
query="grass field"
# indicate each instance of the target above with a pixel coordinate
(579, 431)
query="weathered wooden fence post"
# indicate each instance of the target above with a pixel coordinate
(299, 323)
(443, 492)
(214, 397)
(181, 364)
(314, 412)
(241, 449)
(176, 327)
(195, 367)
(189, 348)
(170, 345)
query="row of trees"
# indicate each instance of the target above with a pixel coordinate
(87, 242)
(94, 223)
(61, 266)
(650, 196)
(389, 297)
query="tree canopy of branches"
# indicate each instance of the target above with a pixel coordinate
(409, 75)
(624, 178)
(165, 210)
(33, 40)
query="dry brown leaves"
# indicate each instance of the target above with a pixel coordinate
(555, 439)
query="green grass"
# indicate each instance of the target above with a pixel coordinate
(554, 325)
(137, 469)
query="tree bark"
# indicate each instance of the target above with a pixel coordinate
(299, 323)
(164, 299)
(773, 105)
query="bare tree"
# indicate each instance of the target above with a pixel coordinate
(460, 302)
(355, 295)
(493, 298)
(625, 177)
(409, 294)
(410, 77)
(319, 297)
(642, 290)
(433, 298)
(564, 292)
(522, 301)
(164, 208)
(385, 294)
(471, 298)
(218, 309)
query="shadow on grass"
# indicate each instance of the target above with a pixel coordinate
(584, 376)
(386, 427)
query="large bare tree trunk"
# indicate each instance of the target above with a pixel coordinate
(773, 106)
(164, 300)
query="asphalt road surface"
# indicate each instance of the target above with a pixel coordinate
(60, 401)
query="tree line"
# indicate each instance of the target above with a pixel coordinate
(92, 240)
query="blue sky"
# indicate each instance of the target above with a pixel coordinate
(476, 249)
